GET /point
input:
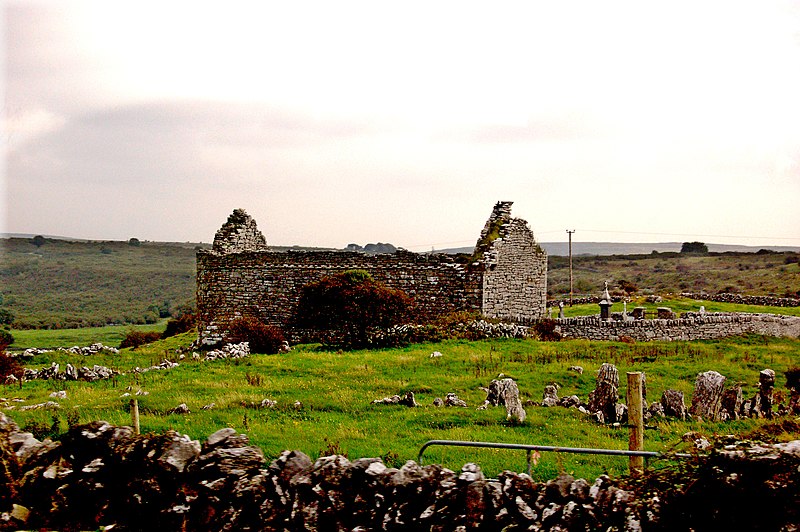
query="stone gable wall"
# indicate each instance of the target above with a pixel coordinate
(515, 278)
(238, 234)
(692, 326)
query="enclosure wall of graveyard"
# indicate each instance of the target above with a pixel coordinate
(505, 278)
(691, 326)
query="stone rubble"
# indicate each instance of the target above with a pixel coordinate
(164, 365)
(452, 399)
(233, 351)
(407, 400)
(92, 349)
(70, 373)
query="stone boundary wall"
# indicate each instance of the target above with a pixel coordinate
(691, 326)
(266, 285)
(100, 475)
(741, 299)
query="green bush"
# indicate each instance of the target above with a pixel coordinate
(351, 310)
(263, 338)
(180, 324)
(136, 338)
(6, 339)
(9, 365)
(6, 317)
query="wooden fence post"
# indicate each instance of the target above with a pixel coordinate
(135, 415)
(636, 422)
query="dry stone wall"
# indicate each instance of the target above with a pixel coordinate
(743, 299)
(100, 475)
(692, 326)
(240, 277)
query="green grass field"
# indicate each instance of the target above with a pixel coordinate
(336, 390)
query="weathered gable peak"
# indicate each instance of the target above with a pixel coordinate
(239, 233)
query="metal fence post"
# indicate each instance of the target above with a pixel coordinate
(636, 422)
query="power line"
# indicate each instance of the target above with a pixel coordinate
(694, 235)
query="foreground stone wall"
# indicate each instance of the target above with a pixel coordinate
(240, 277)
(692, 326)
(100, 475)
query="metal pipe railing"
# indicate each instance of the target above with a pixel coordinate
(547, 448)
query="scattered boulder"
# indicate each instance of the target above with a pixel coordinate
(732, 403)
(180, 409)
(673, 405)
(407, 400)
(504, 391)
(452, 399)
(570, 401)
(762, 402)
(550, 396)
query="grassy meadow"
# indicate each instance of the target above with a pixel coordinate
(336, 390)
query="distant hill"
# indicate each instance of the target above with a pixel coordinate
(561, 249)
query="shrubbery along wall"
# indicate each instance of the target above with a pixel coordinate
(506, 278)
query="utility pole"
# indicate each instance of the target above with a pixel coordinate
(570, 265)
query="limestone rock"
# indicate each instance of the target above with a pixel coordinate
(707, 397)
(550, 396)
(452, 399)
(604, 397)
(673, 405)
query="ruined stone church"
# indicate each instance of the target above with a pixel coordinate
(505, 277)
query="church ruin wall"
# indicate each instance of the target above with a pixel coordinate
(506, 278)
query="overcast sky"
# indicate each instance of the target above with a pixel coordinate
(403, 122)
